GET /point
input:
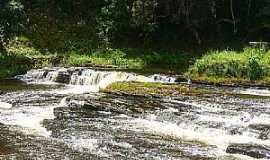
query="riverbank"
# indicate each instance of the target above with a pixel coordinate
(21, 56)
(220, 67)
(247, 67)
(14, 65)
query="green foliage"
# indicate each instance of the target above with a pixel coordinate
(11, 20)
(112, 20)
(59, 25)
(130, 58)
(251, 64)
(21, 45)
(254, 69)
(105, 57)
(77, 59)
(13, 64)
(84, 31)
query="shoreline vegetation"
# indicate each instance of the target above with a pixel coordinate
(205, 41)
(22, 56)
(249, 67)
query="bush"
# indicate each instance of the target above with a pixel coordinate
(250, 64)
(21, 45)
(13, 64)
(254, 69)
(115, 57)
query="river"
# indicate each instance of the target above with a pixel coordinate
(60, 113)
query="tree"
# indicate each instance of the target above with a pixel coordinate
(11, 20)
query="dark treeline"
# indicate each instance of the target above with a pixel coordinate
(134, 23)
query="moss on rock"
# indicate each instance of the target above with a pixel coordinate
(154, 89)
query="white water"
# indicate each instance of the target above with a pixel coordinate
(4, 105)
(81, 81)
(254, 91)
(87, 80)
(29, 117)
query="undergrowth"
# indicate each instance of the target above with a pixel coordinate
(250, 64)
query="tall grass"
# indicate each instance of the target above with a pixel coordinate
(130, 58)
(250, 64)
(114, 57)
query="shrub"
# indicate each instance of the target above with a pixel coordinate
(254, 69)
(250, 64)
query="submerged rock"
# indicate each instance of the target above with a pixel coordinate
(252, 150)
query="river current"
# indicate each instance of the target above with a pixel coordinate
(60, 113)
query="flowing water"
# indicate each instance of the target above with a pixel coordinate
(60, 113)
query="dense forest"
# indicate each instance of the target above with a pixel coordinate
(136, 34)
(61, 24)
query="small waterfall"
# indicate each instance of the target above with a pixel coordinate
(40, 75)
(88, 77)
(99, 78)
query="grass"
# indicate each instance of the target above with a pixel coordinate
(105, 57)
(132, 59)
(249, 65)
(124, 58)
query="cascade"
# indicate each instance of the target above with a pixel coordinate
(88, 77)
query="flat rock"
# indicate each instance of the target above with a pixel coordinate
(4, 105)
(262, 129)
(252, 150)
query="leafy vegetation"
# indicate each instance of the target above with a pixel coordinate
(105, 57)
(137, 34)
(155, 24)
(12, 65)
(137, 59)
(131, 59)
(248, 65)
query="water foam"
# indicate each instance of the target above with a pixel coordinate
(29, 119)
(4, 105)
(82, 80)
(254, 91)
(211, 136)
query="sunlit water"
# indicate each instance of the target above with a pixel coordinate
(75, 121)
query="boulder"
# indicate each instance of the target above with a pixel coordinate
(262, 129)
(63, 77)
(252, 150)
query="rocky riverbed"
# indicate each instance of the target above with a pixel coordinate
(88, 117)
